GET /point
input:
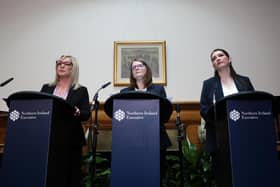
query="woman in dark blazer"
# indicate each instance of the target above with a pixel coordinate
(67, 87)
(224, 82)
(141, 80)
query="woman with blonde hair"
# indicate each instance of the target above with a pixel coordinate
(67, 87)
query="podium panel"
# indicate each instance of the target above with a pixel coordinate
(135, 143)
(246, 140)
(38, 141)
(253, 143)
(25, 158)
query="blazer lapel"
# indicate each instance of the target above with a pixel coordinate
(70, 92)
(219, 90)
(239, 84)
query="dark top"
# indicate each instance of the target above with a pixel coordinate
(79, 98)
(213, 86)
(157, 90)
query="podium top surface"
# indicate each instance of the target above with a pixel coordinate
(25, 95)
(165, 105)
(249, 95)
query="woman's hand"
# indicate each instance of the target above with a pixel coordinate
(77, 112)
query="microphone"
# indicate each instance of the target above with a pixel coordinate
(214, 97)
(6, 82)
(95, 97)
(105, 85)
(214, 93)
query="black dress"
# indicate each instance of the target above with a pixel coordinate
(69, 160)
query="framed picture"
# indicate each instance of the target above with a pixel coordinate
(153, 52)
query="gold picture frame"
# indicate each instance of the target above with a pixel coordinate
(153, 52)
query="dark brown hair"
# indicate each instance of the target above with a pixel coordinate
(147, 77)
(232, 71)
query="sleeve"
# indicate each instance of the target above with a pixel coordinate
(250, 86)
(44, 88)
(243, 83)
(84, 105)
(205, 102)
(162, 92)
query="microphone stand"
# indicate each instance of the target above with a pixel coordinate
(95, 133)
(180, 137)
(215, 116)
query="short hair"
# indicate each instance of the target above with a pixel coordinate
(232, 71)
(74, 73)
(147, 77)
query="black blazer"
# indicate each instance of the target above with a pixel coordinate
(79, 98)
(213, 86)
(154, 89)
(157, 90)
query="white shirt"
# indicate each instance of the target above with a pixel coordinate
(59, 93)
(141, 90)
(228, 90)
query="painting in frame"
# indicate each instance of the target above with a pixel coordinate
(153, 52)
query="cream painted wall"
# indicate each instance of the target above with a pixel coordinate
(35, 32)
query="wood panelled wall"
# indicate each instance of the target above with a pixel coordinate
(3, 125)
(189, 115)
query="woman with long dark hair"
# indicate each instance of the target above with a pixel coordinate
(224, 82)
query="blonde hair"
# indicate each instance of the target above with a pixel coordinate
(74, 73)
